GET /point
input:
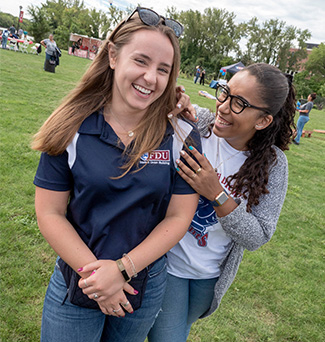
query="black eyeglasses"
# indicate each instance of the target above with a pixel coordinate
(151, 18)
(237, 103)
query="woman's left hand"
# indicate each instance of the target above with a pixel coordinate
(204, 180)
(105, 280)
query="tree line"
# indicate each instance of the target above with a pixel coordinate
(212, 39)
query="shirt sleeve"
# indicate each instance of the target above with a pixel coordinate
(181, 187)
(53, 173)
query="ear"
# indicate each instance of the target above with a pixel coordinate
(263, 122)
(112, 55)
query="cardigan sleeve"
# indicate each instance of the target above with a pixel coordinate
(252, 230)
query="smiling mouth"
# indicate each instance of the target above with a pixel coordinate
(222, 121)
(142, 90)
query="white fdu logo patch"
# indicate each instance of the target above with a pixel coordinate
(156, 157)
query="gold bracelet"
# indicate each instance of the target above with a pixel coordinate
(122, 269)
(135, 274)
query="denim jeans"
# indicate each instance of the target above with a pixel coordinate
(70, 323)
(184, 302)
(4, 42)
(302, 120)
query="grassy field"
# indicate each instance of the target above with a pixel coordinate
(278, 294)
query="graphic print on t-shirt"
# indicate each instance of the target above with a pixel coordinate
(204, 217)
(156, 157)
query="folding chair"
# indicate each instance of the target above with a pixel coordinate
(24, 46)
(34, 48)
(13, 45)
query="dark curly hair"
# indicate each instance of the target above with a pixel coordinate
(278, 95)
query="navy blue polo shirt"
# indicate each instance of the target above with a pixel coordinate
(113, 216)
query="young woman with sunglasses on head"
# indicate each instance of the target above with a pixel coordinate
(108, 197)
(242, 181)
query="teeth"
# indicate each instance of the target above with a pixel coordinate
(142, 90)
(222, 122)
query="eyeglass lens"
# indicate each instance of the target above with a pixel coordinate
(236, 104)
(151, 18)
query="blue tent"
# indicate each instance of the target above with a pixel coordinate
(233, 68)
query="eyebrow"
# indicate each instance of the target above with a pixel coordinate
(238, 96)
(149, 59)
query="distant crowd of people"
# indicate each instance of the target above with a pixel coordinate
(11, 33)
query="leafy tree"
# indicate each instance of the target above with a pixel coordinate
(316, 62)
(39, 26)
(62, 17)
(271, 41)
(207, 39)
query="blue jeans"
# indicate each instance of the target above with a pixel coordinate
(70, 323)
(302, 120)
(184, 302)
(4, 42)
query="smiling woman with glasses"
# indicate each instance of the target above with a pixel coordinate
(242, 180)
(108, 197)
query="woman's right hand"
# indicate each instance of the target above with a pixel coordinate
(117, 303)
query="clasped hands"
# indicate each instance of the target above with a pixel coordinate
(107, 287)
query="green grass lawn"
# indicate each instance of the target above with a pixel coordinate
(278, 294)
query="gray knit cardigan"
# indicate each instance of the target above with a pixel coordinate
(247, 230)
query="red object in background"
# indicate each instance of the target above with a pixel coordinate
(21, 15)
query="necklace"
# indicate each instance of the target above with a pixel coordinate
(130, 133)
(223, 161)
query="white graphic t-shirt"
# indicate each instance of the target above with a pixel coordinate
(201, 251)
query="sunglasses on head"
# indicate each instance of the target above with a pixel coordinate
(151, 18)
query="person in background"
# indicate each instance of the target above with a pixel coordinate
(108, 197)
(73, 48)
(197, 73)
(202, 76)
(242, 180)
(12, 31)
(304, 111)
(50, 48)
(5, 35)
(20, 33)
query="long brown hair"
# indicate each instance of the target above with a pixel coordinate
(278, 95)
(94, 92)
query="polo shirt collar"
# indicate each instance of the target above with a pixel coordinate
(95, 124)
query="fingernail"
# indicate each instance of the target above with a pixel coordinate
(177, 161)
(80, 269)
(182, 153)
(131, 312)
(204, 155)
(136, 292)
(177, 169)
(179, 105)
(196, 117)
(191, 148)
(183, 90)
(170, 115)
(93, 272)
